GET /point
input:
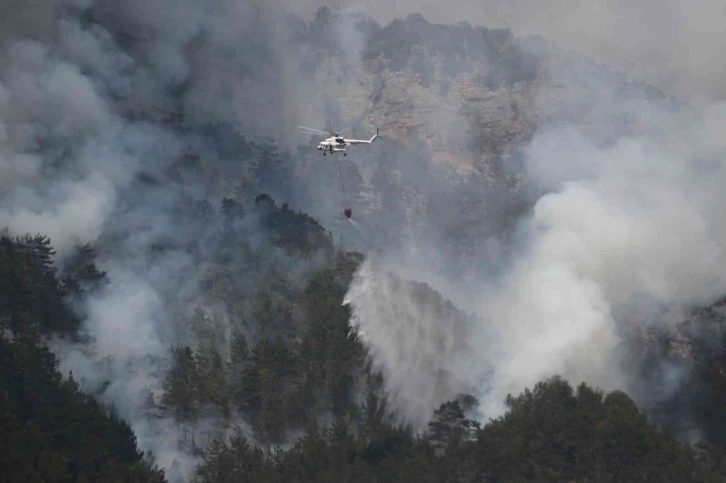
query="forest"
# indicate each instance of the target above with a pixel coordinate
(247, 351)
(304, 375)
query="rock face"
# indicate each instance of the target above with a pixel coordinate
(462, 121)
(474, 97)
(471, 94)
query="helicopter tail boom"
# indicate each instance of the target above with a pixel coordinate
(363, 141)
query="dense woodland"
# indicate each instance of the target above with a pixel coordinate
(550, 434)
(52, 431)
(280, 363)
(305, 376)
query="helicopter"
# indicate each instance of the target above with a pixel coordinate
(336, 143)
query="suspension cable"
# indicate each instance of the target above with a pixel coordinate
(342, 184)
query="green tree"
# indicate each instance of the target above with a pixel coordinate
(210, 370)
(181, 387)
(239, 348)
(260, 388)
(54, 432)
(80, 273)
(30, 290)
(236, 462)
(449, 425)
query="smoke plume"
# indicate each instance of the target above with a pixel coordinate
(676, 45)
(100, 99)
(622, 225)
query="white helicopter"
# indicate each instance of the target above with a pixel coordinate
(336, 143)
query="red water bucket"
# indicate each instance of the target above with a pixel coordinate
(348, 212)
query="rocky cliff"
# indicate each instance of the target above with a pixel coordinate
(473, 94)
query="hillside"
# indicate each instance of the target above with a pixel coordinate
(290, 367)
(471, 94)
(527, 213)
(52, 430)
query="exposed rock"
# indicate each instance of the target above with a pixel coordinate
(470, 108)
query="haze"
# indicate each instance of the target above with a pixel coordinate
(677, 45)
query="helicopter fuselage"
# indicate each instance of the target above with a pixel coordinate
(333, 145)
(337, 143)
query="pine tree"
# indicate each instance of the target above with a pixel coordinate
(52, 431)
(231, 209)
(212, 378)
(181, 392)
(80, 274)
(239, 348)
(449, 426)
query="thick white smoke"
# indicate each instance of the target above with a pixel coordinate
(69, 160)
(638, 219)
(675, 44)
(638, 225)
(633, 224)
(420, 341)
(82, 93)
(46, 101)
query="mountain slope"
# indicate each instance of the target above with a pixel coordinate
(536, 188)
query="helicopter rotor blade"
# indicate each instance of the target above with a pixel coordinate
(317, 131)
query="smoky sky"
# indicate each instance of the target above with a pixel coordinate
(81, 93)
(677, 45)
(626, 219)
